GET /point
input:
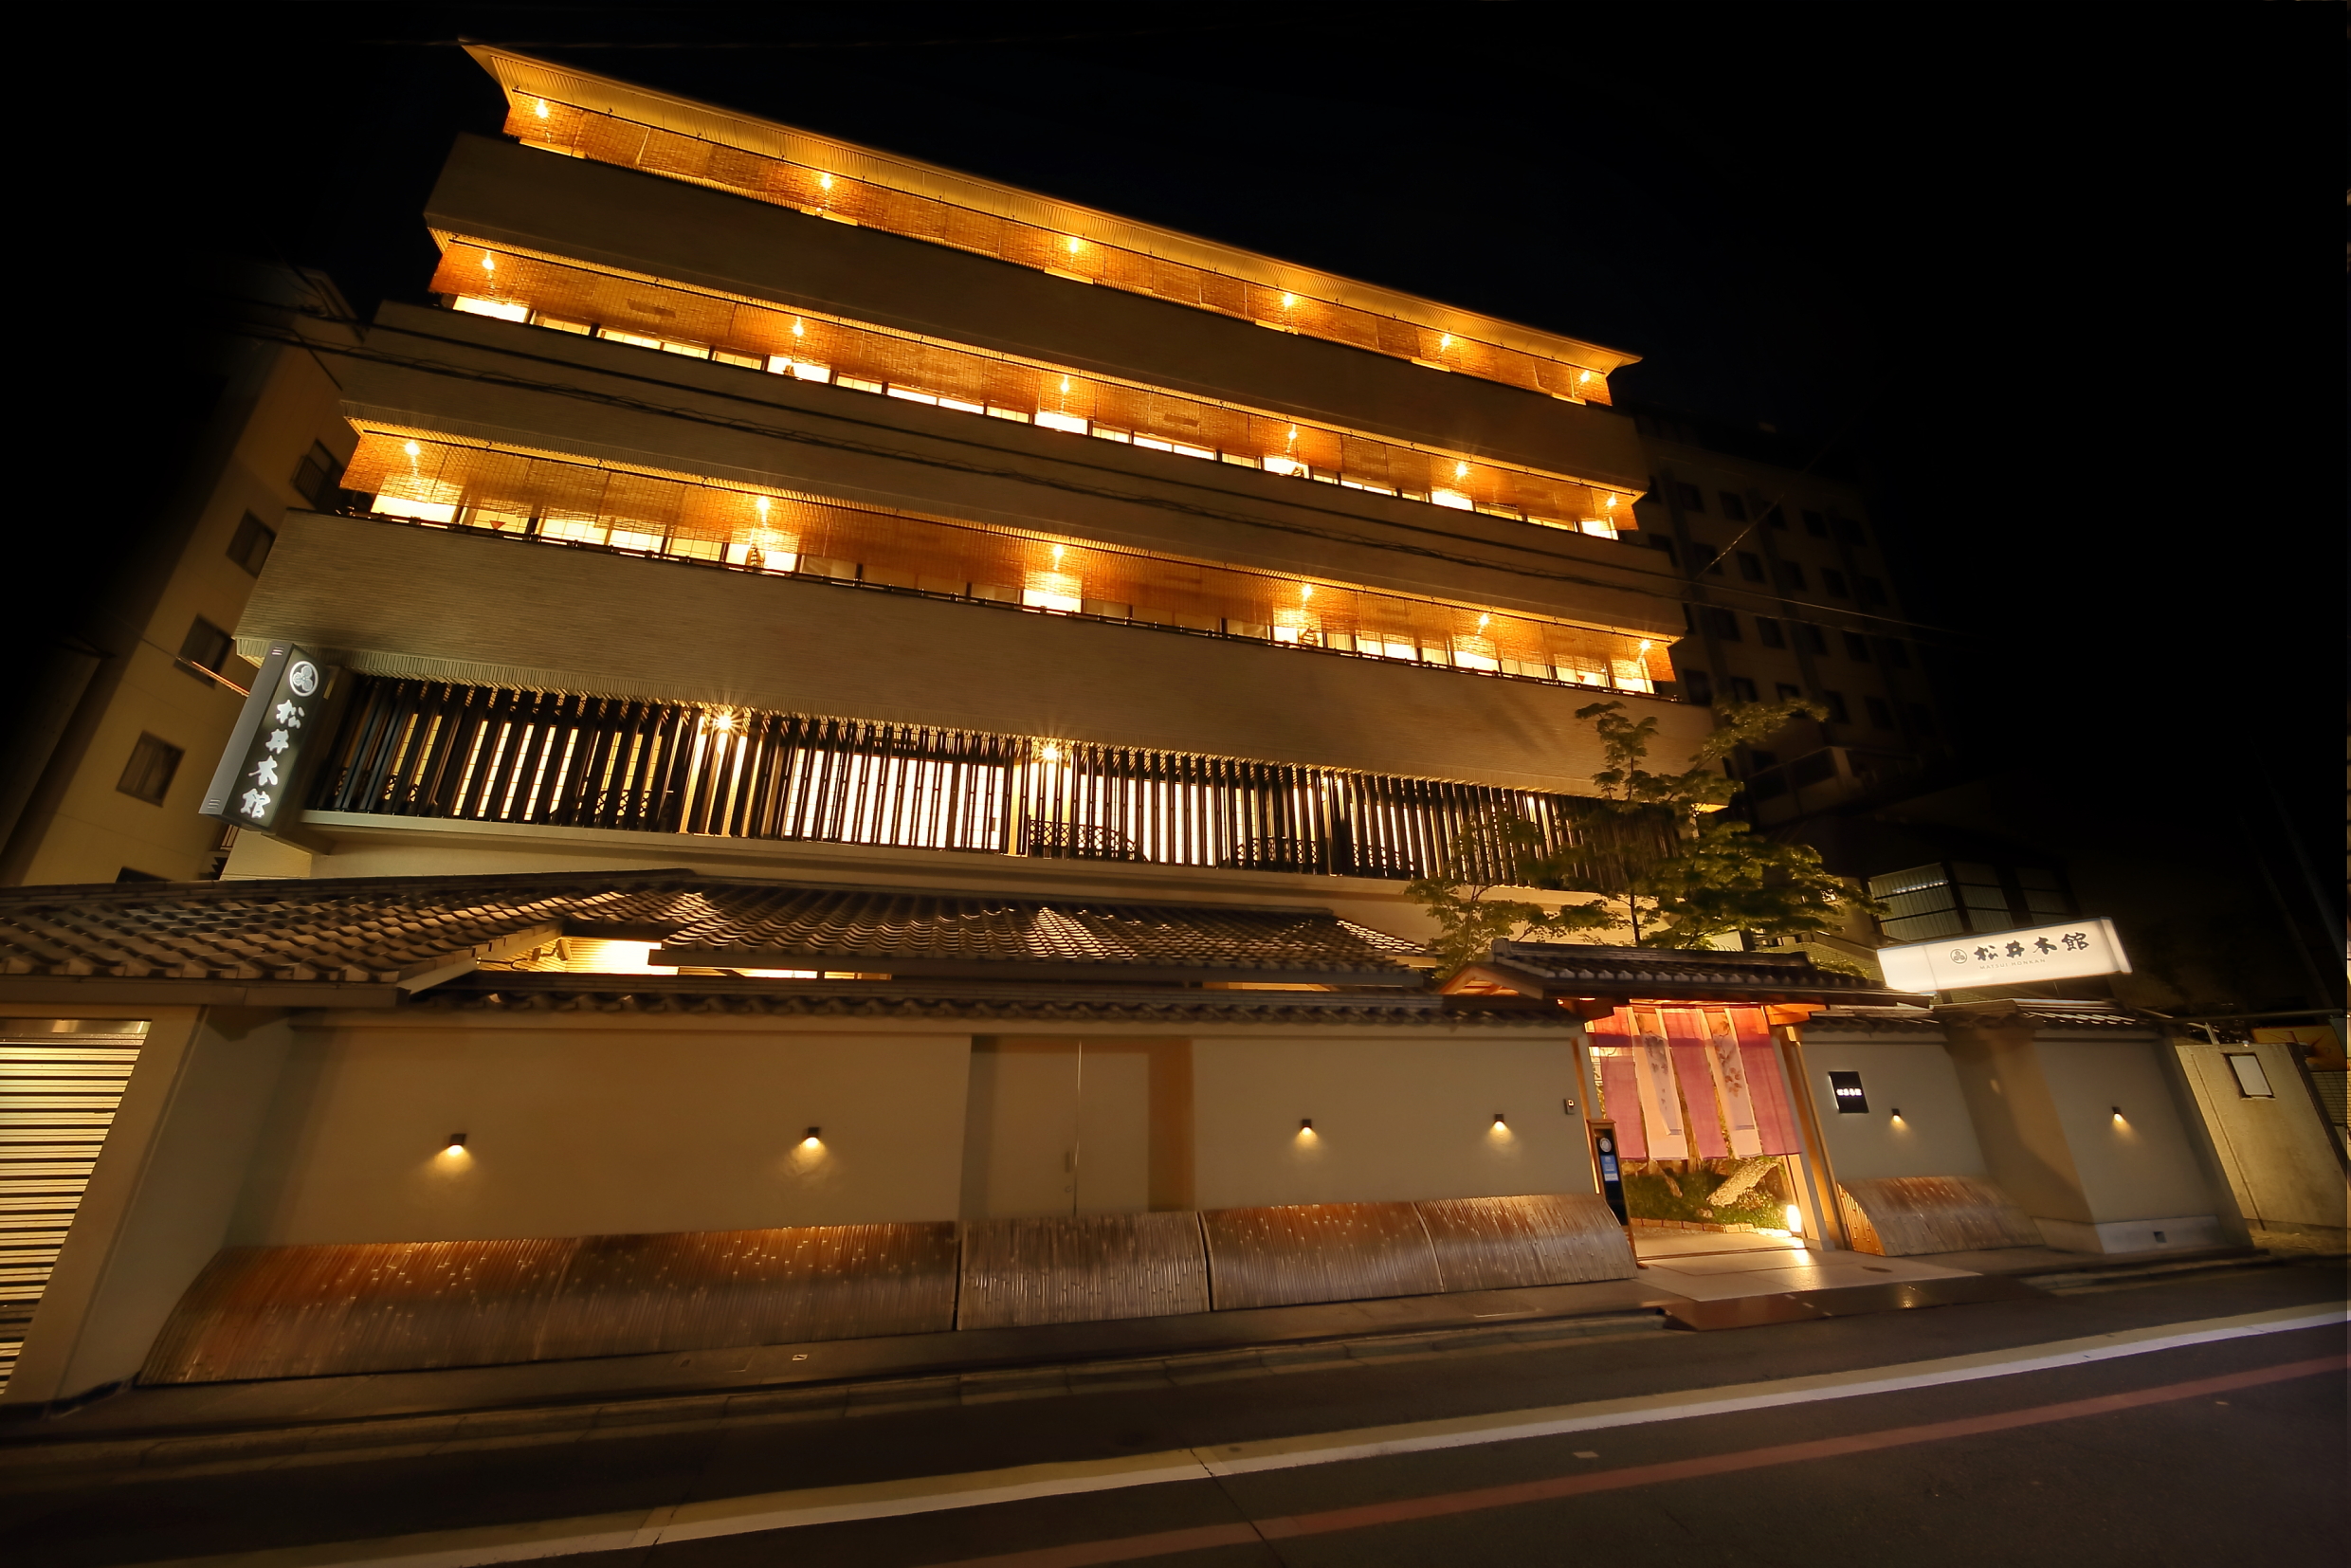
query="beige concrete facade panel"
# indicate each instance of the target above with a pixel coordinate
(499, 191)
(434, 605)
(1935, 1134)
(160, 1200)
(1395, 1120)
(2280, 1158)
(576, 1131)
(2140, 1164)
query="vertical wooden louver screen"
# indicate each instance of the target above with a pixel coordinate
(61, 1080)
(607, 138)
(426, 749)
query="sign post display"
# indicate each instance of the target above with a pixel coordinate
(261, 772)
(2067, 952)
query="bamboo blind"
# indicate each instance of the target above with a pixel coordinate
(61, 1082)
(608, 138)
(671, 313)
(560, 501)
(430, 749)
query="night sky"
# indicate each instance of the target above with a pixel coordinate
(2048, 279)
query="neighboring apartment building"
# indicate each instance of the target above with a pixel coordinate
(849, 753)
(128, 711)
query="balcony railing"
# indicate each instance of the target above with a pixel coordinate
(429, 750)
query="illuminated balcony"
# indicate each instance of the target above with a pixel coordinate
(583, 115)
(659, 316)
(421, 478)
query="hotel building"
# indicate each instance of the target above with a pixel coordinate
(843, 759)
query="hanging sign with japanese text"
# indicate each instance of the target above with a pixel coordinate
(258, 773)
(2066, 952)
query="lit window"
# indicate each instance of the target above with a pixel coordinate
(748, 362)
(556, 324)
(472, 305)
(1152, 441)
(1182, 450)
(1051, 591)
(692, 350)
(910, 394)
(1475, 653)
(1631, 675)
(575, 530)
(1600, 527)
(419, 508)
(629, 337)
(800, 369)
(1454, 498)
(1016, 414)
(857, 383)
(1240, 461)
(1069, 422)
(961, 407)
(1288, 465)
(628, 538)
(1108, 434)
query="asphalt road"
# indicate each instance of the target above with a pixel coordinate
(2220, 1453)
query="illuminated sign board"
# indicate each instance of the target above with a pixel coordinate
(2066, 952)
(260, 770)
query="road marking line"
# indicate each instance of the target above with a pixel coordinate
(525, 1543)
(1444, 1504)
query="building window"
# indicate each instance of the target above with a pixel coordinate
(1698, 685)
(1751, 566)
(1849, 531)
(1790, 575)
(1816, 526)
(1693, 499)
(1787, 693)
(1881, 716)
(1733, 507)
(1894, 651)
(1872, 591)
(1723, 624)
(318, 476)
(1926, 901)
(1776, 518)
(148, 775)
(250, 548)
(1921, 717)
(1767, 633)
(206, 647)
(1834, 580)
(1659, 542)
(2251, 1082)
(1812, 635)
(1837, 707)
(1857, 646)
(1742, 689)
(2043, 894)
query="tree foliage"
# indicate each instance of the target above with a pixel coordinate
(1678, 873)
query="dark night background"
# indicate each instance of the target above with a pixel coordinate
(2048, 279)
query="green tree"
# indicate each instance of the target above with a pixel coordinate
(1672, 870)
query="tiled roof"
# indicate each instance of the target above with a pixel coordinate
(1873, 1020)
(2042, 1016)
(1574, 969)
(388, 930)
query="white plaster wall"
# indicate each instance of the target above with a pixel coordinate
(1395, 1117)
(2142, 1166)
(579, 1126)
(1936, 1135)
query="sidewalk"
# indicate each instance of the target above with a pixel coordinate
(241, 1424)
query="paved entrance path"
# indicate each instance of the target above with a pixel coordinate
(1709, 1267)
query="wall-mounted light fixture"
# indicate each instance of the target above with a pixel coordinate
(2118, 1113)
(1896, 1113)
(1500, 1121)
(456, 1146)
(1305, 1124)
(815, 1137)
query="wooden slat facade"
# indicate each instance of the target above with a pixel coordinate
(1549, 1238)
(60, 1082)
